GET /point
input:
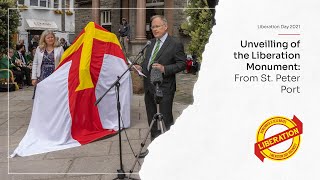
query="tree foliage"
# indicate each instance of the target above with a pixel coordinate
(13, 23)
(198, 26)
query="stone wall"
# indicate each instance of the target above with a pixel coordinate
(82, 16)
(115, 13)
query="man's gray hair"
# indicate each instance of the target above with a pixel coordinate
(164, 19)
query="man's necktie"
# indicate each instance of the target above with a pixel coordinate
(155, 52)
(22, 59)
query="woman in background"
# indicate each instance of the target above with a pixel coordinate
(46, 58)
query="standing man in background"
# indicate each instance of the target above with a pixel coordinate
(167, 55)
(124, 35)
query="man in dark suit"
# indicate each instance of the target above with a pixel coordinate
(20, 61)
(167, 55)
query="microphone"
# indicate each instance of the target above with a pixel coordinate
(156, 79)
(145, 46)
(156, 76)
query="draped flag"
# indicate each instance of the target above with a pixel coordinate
(64, 114)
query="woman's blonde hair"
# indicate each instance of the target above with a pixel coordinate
(42, 43)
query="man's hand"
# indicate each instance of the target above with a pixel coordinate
(19, 62)
(138, 67)
(158, 66)
(34, 82)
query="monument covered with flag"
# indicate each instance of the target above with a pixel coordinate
(64, 114)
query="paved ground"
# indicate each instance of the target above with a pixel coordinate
(88, 162)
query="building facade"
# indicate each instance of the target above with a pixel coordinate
(39, 15)
(137, 13)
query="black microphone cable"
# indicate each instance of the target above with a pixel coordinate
(125, 132)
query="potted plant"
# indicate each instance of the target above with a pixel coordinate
(69, 13)
(57, 11)
(22, 7)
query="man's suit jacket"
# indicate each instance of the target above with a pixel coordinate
(17, 56)
(171, 55)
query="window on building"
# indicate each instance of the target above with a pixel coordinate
(21, 2)
(67, 4)
(154, 1)
(34, 3)
(56, 4)
(43, 3)
(40, 3)
(106, 20)
(106, 17)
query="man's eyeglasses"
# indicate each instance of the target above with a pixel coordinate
(156, 27)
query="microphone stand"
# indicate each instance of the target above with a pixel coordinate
(121, 173)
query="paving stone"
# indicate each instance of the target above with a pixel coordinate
(135, 101)
(27, 158)
(3, 157)
(102, 164)
(3, 143)
(4, 129)
(20, 114)
(139, 109)
(179, 107)
(13, 103)
(132, 133)
(18, 107)
(24, 176)
(101, 156)
(19, 121)
(3, 94)
(91, 177)
(139, 124)
(40, 166)
(112, 176)
(4, 106)
(97, 148)
(4, 118)
(176, 114)
(143, 115)
(134, 117)
(26, 96)
(143, 133)
(136, 144)
(14, 142)
(20, 132)
(4, 171)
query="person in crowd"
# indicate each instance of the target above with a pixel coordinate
(20, 61)
(30, 56)
(47, 57)
(5, 63)
(166, 55)
(195, 65)
(124, 34)
(63, 43)
(21, 42)
(33, 43)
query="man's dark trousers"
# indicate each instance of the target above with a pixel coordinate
(165, 109)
